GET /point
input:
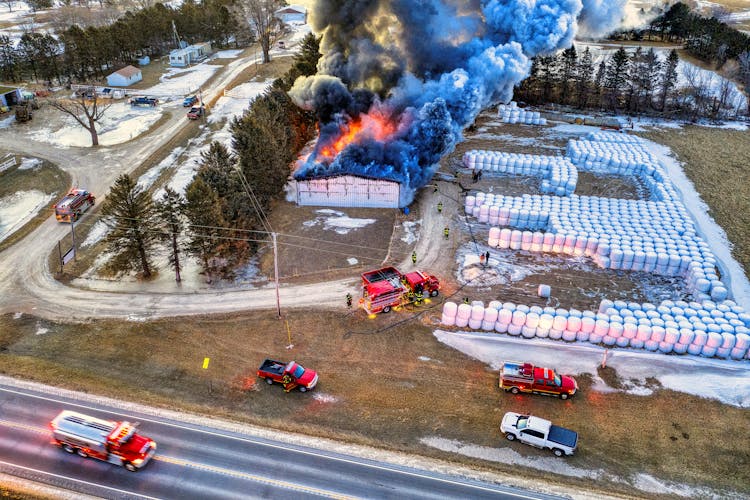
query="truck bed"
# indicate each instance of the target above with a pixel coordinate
(513, 370)
(272, 366)
(563, 436)
(390, 274)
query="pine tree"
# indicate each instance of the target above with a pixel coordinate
(601, 72)
(170, 209)
(633, 81)
(205, 234)
(584, 79)
(668, 79)
(130, 214)
(649, 75)
(568, 64)
(218, 170)
(616, 78)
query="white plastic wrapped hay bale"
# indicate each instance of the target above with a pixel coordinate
(475, 324)
(448, 320)
(559, 322)
(666, 347)
(574, 324)
(450, 309)
(622, 342)
(708, 351)
(686, 336)
(528, 332)
(544, 291)
(680, 348)
(714, 339)
(555, 334)
(579, 335)
(608, 340)
(671, 335)
(695, 350)
(462, 322)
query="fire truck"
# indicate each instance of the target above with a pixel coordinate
(110, 441)
(386, 288)
(70, 208)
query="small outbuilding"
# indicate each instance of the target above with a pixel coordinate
(125, 77)
(292, 14)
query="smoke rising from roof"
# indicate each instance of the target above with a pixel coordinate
(427, 68)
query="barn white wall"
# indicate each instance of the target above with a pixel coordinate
(346, 191)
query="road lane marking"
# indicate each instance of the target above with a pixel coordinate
(59, 476)
(253, 477)
(30, 428)
(389, 468)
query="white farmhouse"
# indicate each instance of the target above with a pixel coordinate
(124, 77)
(189, 55)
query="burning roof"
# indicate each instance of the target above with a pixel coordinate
(400, 79)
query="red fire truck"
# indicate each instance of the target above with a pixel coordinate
(70, 208)
(385, 288)
(110, 441)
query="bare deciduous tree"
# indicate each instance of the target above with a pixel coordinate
(86, 107)
(259, 14)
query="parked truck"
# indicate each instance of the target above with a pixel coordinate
(144, 101)
(386, 288)
(73, 205)
(518, 377)
(195, 112)
(540, 433)
(114, 442)
(290, 375)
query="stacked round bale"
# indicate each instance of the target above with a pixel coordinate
(708, 329)
(559, 175)
(611, 157)
(620, 137)
(631, 235)
(511, 113)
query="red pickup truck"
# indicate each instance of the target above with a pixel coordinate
(524, 377)
(290, 375)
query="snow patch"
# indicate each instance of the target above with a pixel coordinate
(17, 315)
(724, 380)
(30, 163)
(96, 233)
(424, 358)
(336, 221)
(352, 261)
(411, 230)
(41, 331)
(227, 54)
(324, 398)
(19, 208)
(509, 456)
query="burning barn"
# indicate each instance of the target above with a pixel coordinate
(397, 83)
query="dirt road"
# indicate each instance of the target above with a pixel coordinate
(27, 284)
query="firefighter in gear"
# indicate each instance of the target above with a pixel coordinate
(414, 257)
(446, 232)
(466, 300)
(286, 381)
(440, 207)
(419, 298)
(349, 300)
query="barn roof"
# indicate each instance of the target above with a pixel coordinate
(292, 9)
(127, 71)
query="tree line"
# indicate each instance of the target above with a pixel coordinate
(220, 219)
(82, 54)
(639, 82)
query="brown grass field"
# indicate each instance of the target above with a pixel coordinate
(383, 394)
(716, 161)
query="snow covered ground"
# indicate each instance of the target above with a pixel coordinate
(19, 208)
(339, 222)
(726, 381)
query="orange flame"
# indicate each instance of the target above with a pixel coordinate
(371, 126)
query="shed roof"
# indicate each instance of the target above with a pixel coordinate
(127, 71)
(292, 9)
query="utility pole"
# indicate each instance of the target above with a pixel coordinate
(73, 235)
(276, 273)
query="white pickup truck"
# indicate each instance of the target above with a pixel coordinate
(539, 432)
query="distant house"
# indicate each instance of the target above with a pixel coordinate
(292, 14)
(124, 77)
(9, 96)
(190, 54)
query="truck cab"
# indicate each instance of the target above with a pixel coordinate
(420, 282)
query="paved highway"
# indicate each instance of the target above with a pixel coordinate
(201, 462)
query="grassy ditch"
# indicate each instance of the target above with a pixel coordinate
(716, 161)
(45, 177)
(384, 382)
